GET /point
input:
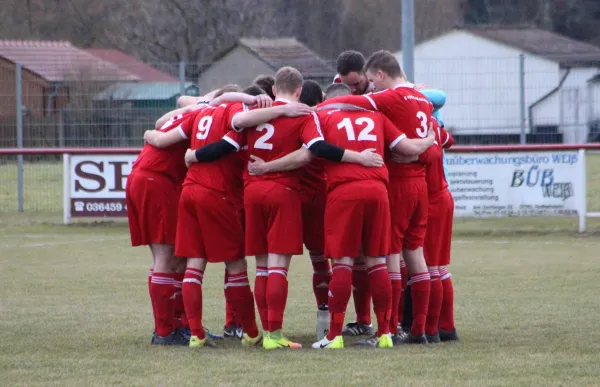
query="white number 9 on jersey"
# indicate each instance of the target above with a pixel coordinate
(204, 127)
(422, 131)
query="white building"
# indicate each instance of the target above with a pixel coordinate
(479, 68)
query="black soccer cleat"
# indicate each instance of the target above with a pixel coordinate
(173, 339)
(433, 339)
(411, 339)
(448, 335)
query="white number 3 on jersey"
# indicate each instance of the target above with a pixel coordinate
(422, 131)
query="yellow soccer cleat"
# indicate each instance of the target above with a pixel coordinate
(336, 343)
(195, 342)
(385, 341)
(248, 341)
(276, 341)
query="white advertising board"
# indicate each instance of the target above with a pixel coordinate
(540, 183)
(94, 185)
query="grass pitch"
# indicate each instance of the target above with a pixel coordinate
(75, 311)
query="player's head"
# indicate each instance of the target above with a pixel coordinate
(336, 90)
(312, 94)
(288, 83)
(265, 82)
(350, 66)
(231, 88)
(383, 70)
(253, 90)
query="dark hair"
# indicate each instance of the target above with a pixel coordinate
(253, 90)
(349, 62)
(384, 61)
(227, 89)
(337, 89)
(288, 80)
(265, 82)
(312, 94)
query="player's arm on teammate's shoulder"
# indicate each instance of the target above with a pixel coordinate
(289, 162)
(366, 158)
(175, 130)
(231, 142)
(250, 118)
(348, 102)
(173, 113)
(260, 101)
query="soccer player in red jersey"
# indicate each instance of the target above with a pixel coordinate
(152, 194)
(350, 71)
(411, 112)
(272, 202)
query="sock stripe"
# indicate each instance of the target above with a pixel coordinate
(236, 284)
(420, 277)
(434, 273)
(190, 270)
(446, 276)
(377, 268)
(443, 271)
(402, 263)
(238, 277)
(162, 280)
(193, 280)
(283, 272)
(395, 276)
(340, 266)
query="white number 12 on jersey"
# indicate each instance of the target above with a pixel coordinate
(365, 133)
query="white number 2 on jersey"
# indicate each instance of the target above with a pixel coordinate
(204, 127)
(422, 131)
(365, 133)
(262, 143)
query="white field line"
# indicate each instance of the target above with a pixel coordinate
(72, 241)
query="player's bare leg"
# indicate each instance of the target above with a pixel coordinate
(239, 296)
(393, 266)
(260, 289)
(340, 288)
(162, 295)
(420, 289)
(447, 328)
(277, 291)
(362, 300)
(192, 300)
(381, 291)
(435, 306)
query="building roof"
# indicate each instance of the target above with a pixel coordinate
(58, 61)
(145, 72)
(279, 52)
(566, 51)
(142, 91)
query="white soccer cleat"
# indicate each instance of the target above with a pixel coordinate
(336, 343)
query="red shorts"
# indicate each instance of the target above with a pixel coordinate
(357, 215)
(273, 219)
(209, 226)
(313, 221)
(439, 229)
(151, 208)
(408, 204)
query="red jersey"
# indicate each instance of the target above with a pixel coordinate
(433, 160)
(407, 108)
(314, 178)
(168, 161)
(205, 127)
(357, 131)
(275, 139)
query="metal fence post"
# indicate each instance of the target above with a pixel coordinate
(182, 78)
(19, 116)
(408, 39)
(522, 97)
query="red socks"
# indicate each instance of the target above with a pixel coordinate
(340, 289)
(321, 278)
(435, 303)
(361, 294)
(161, 291)
(239, 296)
(381, 291)
(447, 311)
(396, 281)
(420, 290)
(151, 300)
(229, 317)
(180, 319)
(277, 291)
(404, 272)
(192, 299)
(260, 295)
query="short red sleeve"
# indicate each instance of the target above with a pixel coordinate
(381, 101)
(237, 139)
(391, 133)
(232, 110)
(446, 138)
(186, 123)
(311, 131)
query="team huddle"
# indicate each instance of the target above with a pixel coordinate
(354, 174)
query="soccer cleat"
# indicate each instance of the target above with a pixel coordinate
(239, 333)
(195, 342)
(212, 336)
(357, 329)
(384, 341)
(448, 335)
(173, 339)
(248, 341)
(270, 342)
(411, 339)
(433, 339)
(232, 332)
(186, 333)
(322, 322)
(336, 343)
(402, 328)
(398, 337)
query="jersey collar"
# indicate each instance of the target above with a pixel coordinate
(408, 84)
(282, 100)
